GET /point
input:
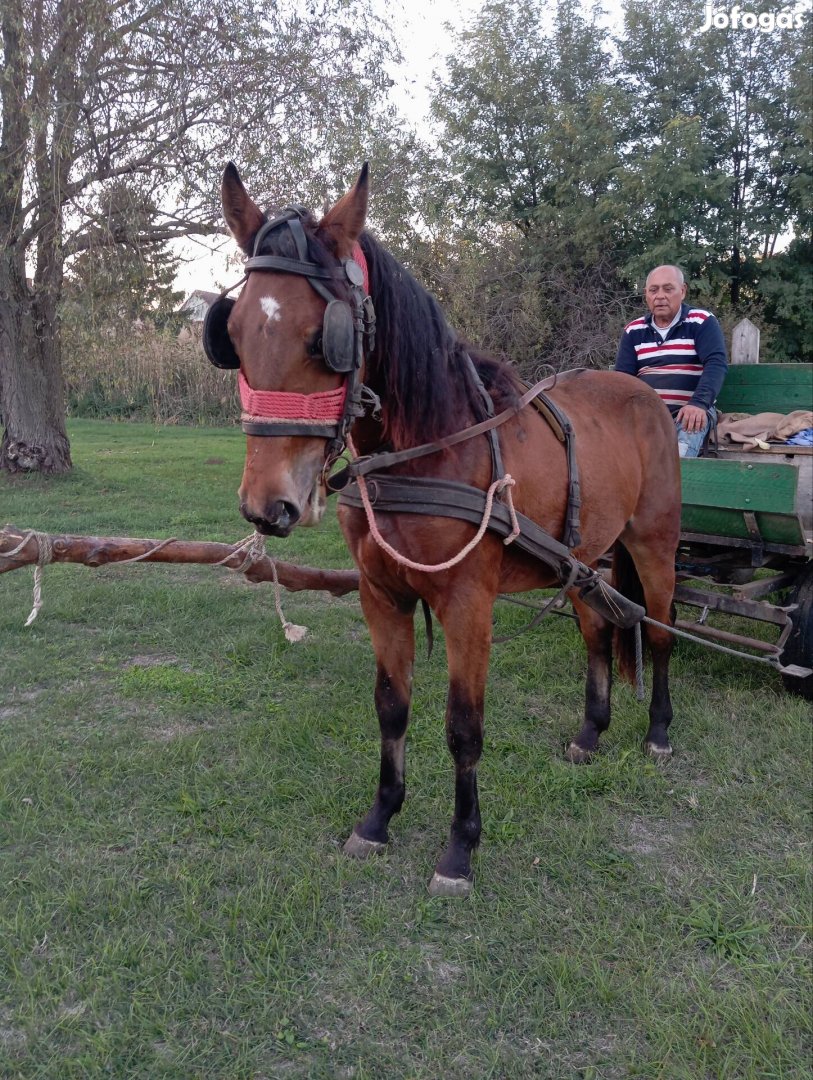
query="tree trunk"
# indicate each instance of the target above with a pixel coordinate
(32, 399)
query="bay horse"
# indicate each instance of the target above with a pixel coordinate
(336, 342)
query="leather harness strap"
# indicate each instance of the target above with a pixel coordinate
(497, 469)
(556, 418)
(448, 498)
(373, 462)
(563, 429)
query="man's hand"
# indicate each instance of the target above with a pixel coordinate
(692, 418)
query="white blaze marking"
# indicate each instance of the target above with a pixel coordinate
(271, 308)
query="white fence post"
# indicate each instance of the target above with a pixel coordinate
(745, 343)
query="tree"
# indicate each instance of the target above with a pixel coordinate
(97, 92)
(786, 287)
(714, 161)
(682, 147)
(529, 116)
(122, 279)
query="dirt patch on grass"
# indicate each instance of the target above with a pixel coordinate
(17, 704)
(175, 731)
(658, 844)
(11, 1038)
(150, 660)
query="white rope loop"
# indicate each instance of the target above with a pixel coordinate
(45, 555)
(253, 551)
(504, 483)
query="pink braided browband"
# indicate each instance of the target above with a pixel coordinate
(282, 405)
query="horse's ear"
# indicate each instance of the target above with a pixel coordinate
(243, 217)
(342, 224)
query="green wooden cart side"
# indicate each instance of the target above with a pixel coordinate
(749, 509)
(741, 495)
(718, 494)
(754, 388)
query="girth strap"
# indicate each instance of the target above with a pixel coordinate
(497, 469)
(563, 429)
(448, 498)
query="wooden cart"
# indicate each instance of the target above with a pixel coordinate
(747, 524)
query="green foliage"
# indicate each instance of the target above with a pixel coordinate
(786, 286)
(531, 119)
(121, 279)
(680, 146)
(725, 928)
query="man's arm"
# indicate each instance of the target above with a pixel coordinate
(711, 353)
(626, 359)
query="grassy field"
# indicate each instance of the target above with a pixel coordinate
(177, 781)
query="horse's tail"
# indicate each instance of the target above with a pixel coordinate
(626, 580)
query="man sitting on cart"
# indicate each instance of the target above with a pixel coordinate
(680, 351)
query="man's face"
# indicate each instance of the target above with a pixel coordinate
(664, 294)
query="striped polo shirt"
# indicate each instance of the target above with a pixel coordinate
(687, 367)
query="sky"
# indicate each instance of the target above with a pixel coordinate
(423, 43)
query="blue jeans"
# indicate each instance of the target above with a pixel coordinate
(690, 444)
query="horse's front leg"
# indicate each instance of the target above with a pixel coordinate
(392, 632)
(468, 644)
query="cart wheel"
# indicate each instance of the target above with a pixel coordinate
(799, 648)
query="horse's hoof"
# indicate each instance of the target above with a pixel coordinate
(658, 753)
(576, 755)
(359, 848)
(449, 886)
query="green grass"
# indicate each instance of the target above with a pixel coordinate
(177, 780)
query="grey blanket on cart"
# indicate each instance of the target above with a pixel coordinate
(757, 431)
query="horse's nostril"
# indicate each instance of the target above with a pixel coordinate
(278, 520)
(289, 511)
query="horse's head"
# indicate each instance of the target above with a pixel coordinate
(296, 335)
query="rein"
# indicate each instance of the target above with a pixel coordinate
(373, 462)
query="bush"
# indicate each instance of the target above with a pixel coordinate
(137, 372)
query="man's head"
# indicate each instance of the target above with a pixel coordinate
(664, 292)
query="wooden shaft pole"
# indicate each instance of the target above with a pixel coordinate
(104, 550)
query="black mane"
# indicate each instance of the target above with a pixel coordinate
(420, 362)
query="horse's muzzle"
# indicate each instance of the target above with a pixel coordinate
(278, 520)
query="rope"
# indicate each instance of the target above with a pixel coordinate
(146, 554)
(639, 664)
(253, 549)
(543, 610)
(505, 483)
(45, 555)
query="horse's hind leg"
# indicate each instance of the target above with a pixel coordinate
(598, 637)
(392, 632)
(656, 577)
(660, 643)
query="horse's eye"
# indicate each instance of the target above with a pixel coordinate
(315, 347)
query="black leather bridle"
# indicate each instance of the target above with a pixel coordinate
(348, 329)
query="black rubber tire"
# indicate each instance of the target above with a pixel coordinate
(799, 647)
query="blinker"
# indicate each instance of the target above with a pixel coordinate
(338, 337)
(216, 340)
